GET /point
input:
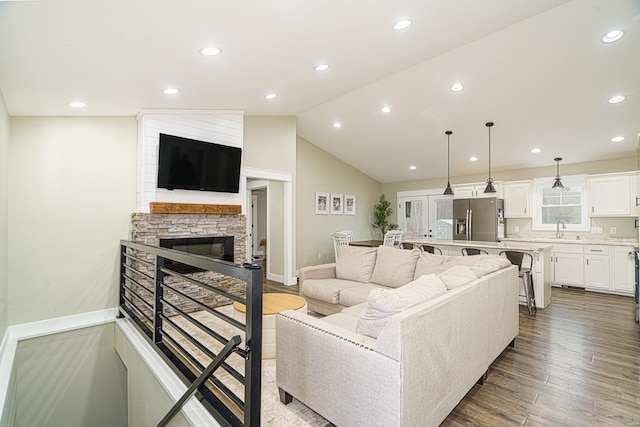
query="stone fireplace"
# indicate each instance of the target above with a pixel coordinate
(165, 229)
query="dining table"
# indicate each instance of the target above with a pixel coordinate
(367, 243)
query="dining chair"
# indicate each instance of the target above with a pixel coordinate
(393, 238)
(473, 251)
(431, 249)
(340, 238)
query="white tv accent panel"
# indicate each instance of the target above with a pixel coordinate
(219, 126)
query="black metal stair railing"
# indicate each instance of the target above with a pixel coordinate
(156, 306)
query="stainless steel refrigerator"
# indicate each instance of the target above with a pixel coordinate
(478, 219)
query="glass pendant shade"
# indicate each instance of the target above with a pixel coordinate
(557, 183)
(448, 191)
(490, 188)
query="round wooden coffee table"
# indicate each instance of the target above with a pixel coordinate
(272, 304)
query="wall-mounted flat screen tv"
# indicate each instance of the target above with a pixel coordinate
(189, 164)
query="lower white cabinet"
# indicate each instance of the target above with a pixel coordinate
(623, 274)
(567, 260)
(609, 269)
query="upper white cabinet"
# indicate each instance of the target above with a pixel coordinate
(613, 195)
(517, 199)
(476, 191)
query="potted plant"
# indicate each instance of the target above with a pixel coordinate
(381, 213)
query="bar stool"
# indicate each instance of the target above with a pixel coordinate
(431, 249)
(524, 261)
(473, 251)
(405, 245)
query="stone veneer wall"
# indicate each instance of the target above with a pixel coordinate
(149, 228)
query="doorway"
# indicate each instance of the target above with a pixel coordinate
(424, 214)
(279, 221)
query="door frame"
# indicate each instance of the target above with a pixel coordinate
(418, 193)
(286, 178)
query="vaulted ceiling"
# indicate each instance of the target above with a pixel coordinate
(537, 69)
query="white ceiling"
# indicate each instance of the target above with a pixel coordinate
(538, 69)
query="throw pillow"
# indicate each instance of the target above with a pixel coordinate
(457, 276)
(384, 303)
(431, 264)
(355, 263)
(394, 267)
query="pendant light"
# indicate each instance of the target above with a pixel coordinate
(557, 183)
(448, 191)
(490, 188)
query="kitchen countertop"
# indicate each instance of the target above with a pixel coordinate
(606, 242)
(519, 245)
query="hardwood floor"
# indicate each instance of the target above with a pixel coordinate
(576, 363)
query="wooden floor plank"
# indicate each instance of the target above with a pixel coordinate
(579, 358)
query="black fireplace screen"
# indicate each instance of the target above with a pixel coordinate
(218, 247)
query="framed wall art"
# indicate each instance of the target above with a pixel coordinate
(336, 204)
(322, 203)
(349, 204)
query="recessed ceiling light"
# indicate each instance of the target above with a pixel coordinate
(535, 150)
(210, 51)
(613, 36)
(616, 99)
(457, 87)
(321, 67)
(271, 96)
(385, 109)
(171, 91)
(473, 159)
(401, 25)
(617, 139)
(77, 104)
(337, 125)
(412, 167)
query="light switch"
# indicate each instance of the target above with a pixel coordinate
(613, 230)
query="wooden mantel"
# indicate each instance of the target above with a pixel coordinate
(194, 208)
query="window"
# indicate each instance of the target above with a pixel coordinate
(566, 205)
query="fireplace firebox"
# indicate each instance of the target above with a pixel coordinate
(218, 247)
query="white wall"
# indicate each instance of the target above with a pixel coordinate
(5, 123)
(270, 145)
(72, 378)
(320, 171)
(219, 127)
(71, 194)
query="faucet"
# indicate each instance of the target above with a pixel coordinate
(564, 226)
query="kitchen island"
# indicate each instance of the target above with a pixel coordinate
(541, 253)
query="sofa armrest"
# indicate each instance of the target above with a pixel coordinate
(327, 368)
(322, 271)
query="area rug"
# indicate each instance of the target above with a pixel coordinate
(273, 412)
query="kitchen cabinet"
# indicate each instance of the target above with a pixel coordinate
(622, 270)
(596, 268)
(474, 191)
(612, 195)
(517, 199)
(567, 260)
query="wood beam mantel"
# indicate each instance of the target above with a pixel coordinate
(194, 208)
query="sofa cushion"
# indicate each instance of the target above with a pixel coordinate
(384, 303)
(355, 263)
(326, 290)
(394, 267)
(431, 264)
(489, 265)
(356, 295)
(457, 276)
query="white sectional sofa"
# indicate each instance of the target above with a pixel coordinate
(407, 354)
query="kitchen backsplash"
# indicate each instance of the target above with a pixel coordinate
(624, 229)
